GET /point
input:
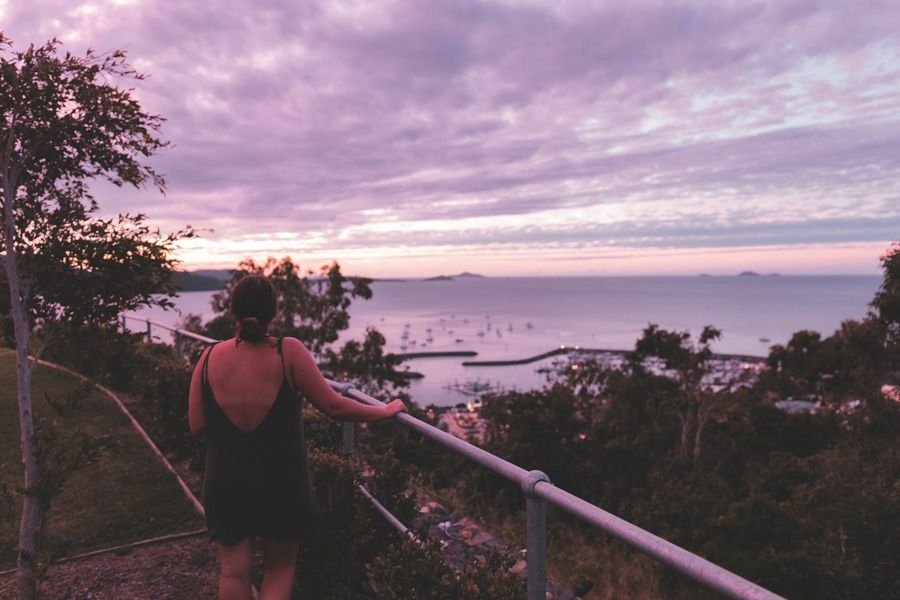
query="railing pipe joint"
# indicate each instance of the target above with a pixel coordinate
(531, 480)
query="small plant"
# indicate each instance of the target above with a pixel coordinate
(59, 452)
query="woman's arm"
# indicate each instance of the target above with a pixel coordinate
(308, 380)
(196, 412)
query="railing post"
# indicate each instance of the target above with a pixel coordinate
(536, 537)
(349, 437)
(179, 344)
(149, 332)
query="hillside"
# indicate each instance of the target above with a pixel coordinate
(192, 282)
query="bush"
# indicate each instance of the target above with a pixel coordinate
(410, 570)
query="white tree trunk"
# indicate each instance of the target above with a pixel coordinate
(27, 552)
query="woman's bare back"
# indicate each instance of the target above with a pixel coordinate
(245, 380)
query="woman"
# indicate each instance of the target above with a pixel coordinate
(244, 398)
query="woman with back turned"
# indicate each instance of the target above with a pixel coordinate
(244, 398)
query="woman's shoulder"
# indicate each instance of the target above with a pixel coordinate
(218, 345)
(295, 350)
(292, 343)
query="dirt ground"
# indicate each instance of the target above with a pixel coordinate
(178, 569)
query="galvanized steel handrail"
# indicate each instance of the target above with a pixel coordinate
(177, 330)
(388, 515)
(538, 491)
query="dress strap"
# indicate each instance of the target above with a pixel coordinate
(206, 364)
(283, 366)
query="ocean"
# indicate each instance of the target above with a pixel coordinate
(516, 317)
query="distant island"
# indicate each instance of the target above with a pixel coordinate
(755, 274)
(463, 275)
(222, 275)
(194, 281)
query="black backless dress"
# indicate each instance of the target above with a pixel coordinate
(257, 483)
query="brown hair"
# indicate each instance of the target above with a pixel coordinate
(253, 305)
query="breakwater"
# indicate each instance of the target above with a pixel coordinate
(448, 354)
(569, 350)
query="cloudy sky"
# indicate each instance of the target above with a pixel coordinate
(407, 138)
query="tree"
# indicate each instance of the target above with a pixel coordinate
(885, 308)
(62, 124)
(367, 366)
(689, 363)
(312, 306)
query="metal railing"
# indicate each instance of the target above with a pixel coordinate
(538, 492)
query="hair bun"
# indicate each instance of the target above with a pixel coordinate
(251, 330)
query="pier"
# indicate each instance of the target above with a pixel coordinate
(578, 349)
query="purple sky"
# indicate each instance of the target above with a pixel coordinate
(528, 137)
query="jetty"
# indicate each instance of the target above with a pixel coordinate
(442, 354)
(537, 357)
(578, 349)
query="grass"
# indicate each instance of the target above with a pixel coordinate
(123, 495)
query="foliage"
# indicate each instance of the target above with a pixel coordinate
(367, 367)
(358, 555)
(689, 363)
(311, 306)
(60, 453)
(852, 362)
(351, 532)
(63, 123)
(410, 570)
(885, 309)
(886, 304)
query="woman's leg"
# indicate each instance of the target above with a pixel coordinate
(234, 570)
(279, 560)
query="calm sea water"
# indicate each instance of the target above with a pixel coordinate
(491, 316)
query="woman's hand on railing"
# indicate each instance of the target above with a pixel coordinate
(395, 406)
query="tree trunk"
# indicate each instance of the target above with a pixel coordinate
(27, 552)
(702, 418)
(687, 422)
